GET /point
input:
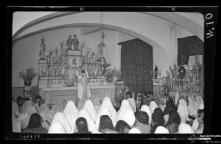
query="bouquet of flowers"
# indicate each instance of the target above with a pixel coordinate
(111, 73)
(28, 76)
(192, 84)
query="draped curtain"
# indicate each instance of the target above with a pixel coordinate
(137, 64)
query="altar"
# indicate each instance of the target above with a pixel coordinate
(57, 94)
(60, 71)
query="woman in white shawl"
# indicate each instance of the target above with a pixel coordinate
(124, 106)
(59, 107)
(185, 129)
(60, 118)
(91, 124)
(132, 103)
(56, 128)
(45, 114)
(15, 111)
(153, 106)
(71, 113)
(16, 127)
(103, 111)
(128, 116)
(108, 104)
(89, 107)
(161, 130)
(27, 110)
(134, 131)
(182, 110)
(97, 104)
(193, 106)
(146, 109)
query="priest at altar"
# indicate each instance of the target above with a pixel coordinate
(84, 91)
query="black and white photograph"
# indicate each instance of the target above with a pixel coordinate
(108, 72)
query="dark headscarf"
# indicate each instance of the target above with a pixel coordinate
(121, 126)
(105, 123)
(35, 121)
(19, 101)
(174, 117)
(172, 128)
(142, 117)
(170, 106)
(157, 119)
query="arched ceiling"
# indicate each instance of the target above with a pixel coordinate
(192, 22)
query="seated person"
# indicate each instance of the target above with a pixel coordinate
(106, 125)
(157, 119)
(143, 96)
(60, 106)
(82, 126)
(35, 125)
(142, 122)
(119, 96)
(20, 102)
(173, 122)
(170, 106)
(128, 95)
(38, 101)
(122, 127)
(126, 89)
(147, 98)
(200, 118)
(131, 100)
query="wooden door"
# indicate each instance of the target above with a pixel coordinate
(137, 64)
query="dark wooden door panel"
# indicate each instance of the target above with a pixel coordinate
(136, 64)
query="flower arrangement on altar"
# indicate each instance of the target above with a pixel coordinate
(190, 85)
(28, 76)
(112, 75)
(34, 92)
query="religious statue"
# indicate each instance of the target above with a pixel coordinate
(42, 51)
(83, 44)
(50, 58)
(92, 58)
(75, 43)
(69, 43)
(100, 50)
(87, 56)
(182, 72)
(103, 65)
(55, 56)
(156, 71)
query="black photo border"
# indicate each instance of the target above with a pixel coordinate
(210, 33)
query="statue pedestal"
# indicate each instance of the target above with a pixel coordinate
(157, 83)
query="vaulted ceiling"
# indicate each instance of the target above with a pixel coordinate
(28, 22)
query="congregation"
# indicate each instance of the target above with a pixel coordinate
(170, 115)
